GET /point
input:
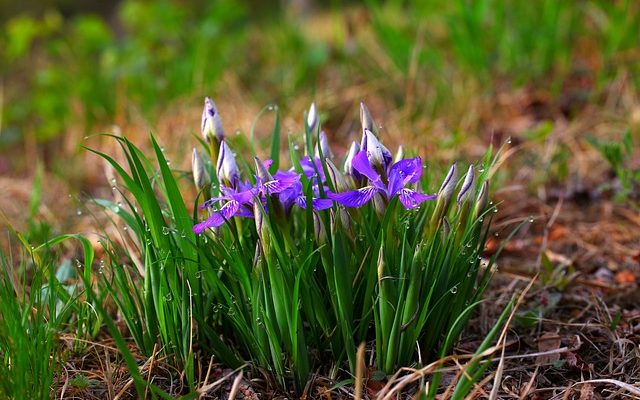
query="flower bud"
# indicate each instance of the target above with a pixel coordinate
(379, 204)
(261, 226)
(378, 155)
(320, 233)
(483, 199)
(380, 264)
(399, 154)
(449, 184)
(446, 226)
(444, 197)
(312, 118)
(323, 144)
(200, 176)
(365, 118)
(348, 166)
(467, 190)
(337, 178)
(211, 125)
(227, 168)
(262, 173)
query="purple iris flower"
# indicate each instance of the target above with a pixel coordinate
(236, 204)
(401, 174)
(239, 201)
(294, 195)
(309, 170)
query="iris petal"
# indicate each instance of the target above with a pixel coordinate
(412, 199)
(356, 198)
(403, 173)
(361, 164)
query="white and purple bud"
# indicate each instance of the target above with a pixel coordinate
(312, 118)
(211, 125)
(467, 189)
(399, 154)
(336, 177)
(483, 199)
(365, 118)
(449, 184)
(261, 227)
(378, 155)
(348, 162)
(227, 168)
(200, 176)
(262, 173)
(444, 198)
(446, 226)
(319, 231)
(323, 144)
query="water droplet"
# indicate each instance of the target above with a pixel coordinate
(509, 140)
(296, 147)
(162, 149)
(530, 219)
(496, 234)
(33, 247)
(168, 162)
(454, 290)
(495, 210)
(165, 230)
(270, 108)
(114, 188)
(237, 132)
(79, 212)
(125, 228)
(86, 137)
(113, 180)
(168, 297)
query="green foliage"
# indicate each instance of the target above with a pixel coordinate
(619, 156)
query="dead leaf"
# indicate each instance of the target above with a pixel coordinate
(625, 277)
(586, 392)
(548, 342)
(557, 232)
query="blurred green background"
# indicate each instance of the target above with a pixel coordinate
(81, 66)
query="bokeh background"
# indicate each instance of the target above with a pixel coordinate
(445, 78)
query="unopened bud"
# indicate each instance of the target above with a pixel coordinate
(378, 204)
(378, 155)
(227, 168)
(348, 162)
(365, 118)
(483, 199)
(261, 226)
(312, 118)
(336, 177)
(446, 226)
(262, 172)
(211, 125)
(449, 184)
(200, 176)
(467, 189)
(320, 233)
(380, 264)
(323, 144)
(399, 154)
